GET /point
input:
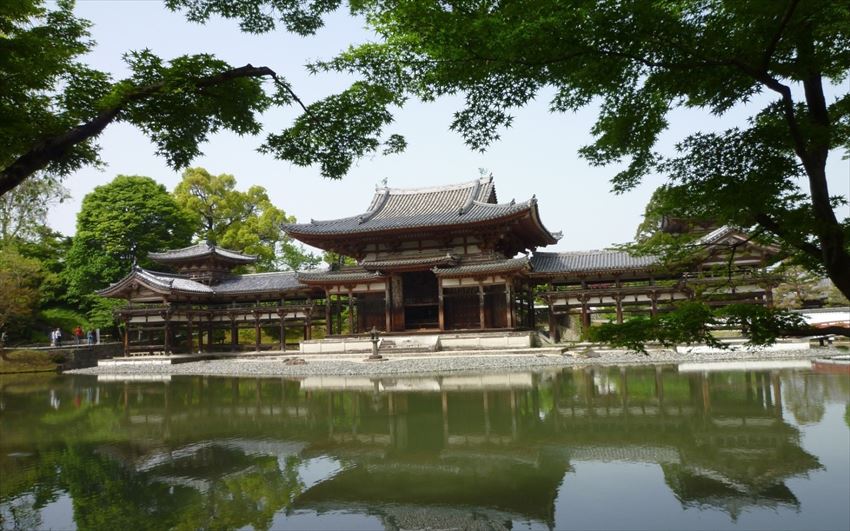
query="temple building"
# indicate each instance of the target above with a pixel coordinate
(449, 262)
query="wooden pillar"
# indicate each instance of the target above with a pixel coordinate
(388, 315)
(257, 331)
(282, 315)
(441, 312)
(126, 335)
(653, 309)
(553, 324)
(768, 297)
(234, 333)
(351, 329)
(585, 315)
(397, 294)
(308, 329)
(209, 332)
(190, 340)
(619, 300)
(532, 318)
(509, 322)
(166, 339)
(328, 319)
(481, 322)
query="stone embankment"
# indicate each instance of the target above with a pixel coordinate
(296, 365)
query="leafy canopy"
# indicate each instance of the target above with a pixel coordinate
(243, 221)
(53, 106)
(638, 60)
(118, 225)
(19, 280)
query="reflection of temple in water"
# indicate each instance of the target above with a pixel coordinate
(459, 451)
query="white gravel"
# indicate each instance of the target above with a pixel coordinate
(353, 365)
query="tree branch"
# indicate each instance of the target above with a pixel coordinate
(58, 146)
(771, 46)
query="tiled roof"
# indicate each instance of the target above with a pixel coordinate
(256, 282)
(345, 275)
(377, 265)
(477, 268)
(398, 209)
(588, 261)
(170, 282)
(201, 250)
(259, 282)
(716, 235)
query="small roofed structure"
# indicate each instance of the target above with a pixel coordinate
(724, 266)
(430, 259)
(204, 299)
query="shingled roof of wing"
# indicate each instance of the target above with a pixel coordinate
(175, 282)
(260, 282)
(444, 259)
(478, 211)
(200, 250)
(344, 275)
(490, 266)
(584, 261)
(716, 235)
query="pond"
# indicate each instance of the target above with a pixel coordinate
(584, 448)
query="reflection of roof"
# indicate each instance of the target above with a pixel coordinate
(694, 489)
(589, 261)
(201, 250)
(398, 209)
(431, 486)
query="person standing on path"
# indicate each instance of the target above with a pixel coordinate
(58, 337)
(78, 335)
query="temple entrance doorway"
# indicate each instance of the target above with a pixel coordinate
(421, 300)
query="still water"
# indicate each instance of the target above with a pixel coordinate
(590, 448)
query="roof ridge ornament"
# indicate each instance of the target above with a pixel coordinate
(470, 201)
(366, 216)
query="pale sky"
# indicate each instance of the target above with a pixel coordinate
(538, 155)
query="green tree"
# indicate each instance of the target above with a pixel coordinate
(777, 60)
(53, 105)
(19, 281)
(119, 223)
(244, 221)
(23, 211)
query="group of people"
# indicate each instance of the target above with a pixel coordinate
(78, 333)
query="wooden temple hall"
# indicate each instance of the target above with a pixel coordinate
(450, 261)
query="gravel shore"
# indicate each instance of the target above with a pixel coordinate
(446, 363)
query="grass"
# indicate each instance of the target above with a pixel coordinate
(18, 361)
